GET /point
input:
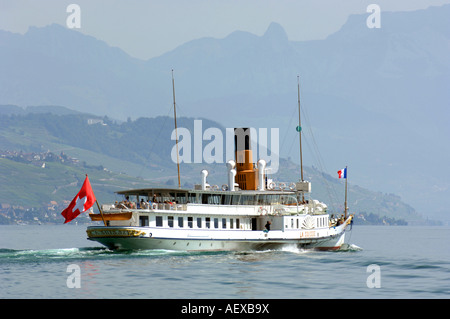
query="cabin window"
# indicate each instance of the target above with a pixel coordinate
(247, 200)
(224, 223)
(227, 200)
(181, 198)
(298, 223)
(208, 222)
(159, 221)
(216, 222)
(180, 222)
(292, 223)
(199, 222)
(231, 223)
(237, 223)
(170, 221)
(143, 220)
(268, 199)
(214, 199)
(192, 198)
(190, 222)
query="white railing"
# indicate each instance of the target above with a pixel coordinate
(145, 206)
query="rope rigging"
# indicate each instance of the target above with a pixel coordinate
(313, 150)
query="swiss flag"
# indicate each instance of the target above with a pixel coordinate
(81, 203)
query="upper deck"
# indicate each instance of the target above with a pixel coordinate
(212, 197)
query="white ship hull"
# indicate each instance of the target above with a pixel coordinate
(124, 237)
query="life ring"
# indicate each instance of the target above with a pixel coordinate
(224, 187)
(282, 186)
(271, 185)
(154, 206)
(215, 187)
(292, 186)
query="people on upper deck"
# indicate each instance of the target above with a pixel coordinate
(129, 204)
(143, 204)
(267, 226)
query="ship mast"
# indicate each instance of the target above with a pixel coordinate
(299, 130)
(299, 127)
(176, 133)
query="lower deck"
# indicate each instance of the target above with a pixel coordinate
(181, 238)
(151, 238)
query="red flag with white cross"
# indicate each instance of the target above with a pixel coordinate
(81, 203)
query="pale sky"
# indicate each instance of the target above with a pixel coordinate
(145, 29)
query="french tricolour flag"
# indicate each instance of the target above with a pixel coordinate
(342, 173)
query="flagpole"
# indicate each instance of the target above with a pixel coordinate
(345, 203)
(101, 213)
(98, 206)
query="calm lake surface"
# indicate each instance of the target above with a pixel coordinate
(410, 262)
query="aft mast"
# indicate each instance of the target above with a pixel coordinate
(299, 128)
(176, 133)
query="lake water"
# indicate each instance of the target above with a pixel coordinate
(410, 262)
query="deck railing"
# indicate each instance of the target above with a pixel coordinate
(146, 206)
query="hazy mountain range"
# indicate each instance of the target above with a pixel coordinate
(376, 99)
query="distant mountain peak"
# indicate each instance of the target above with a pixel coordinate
(275, 32)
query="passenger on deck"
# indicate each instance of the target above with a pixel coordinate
(128, 203)
(143, 204)
(268, 225)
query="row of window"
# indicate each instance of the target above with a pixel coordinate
(190, 222)
(320, 222)
(218, 223)
(222, 199)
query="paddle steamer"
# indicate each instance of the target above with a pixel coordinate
(207, 219)
(248, 212)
